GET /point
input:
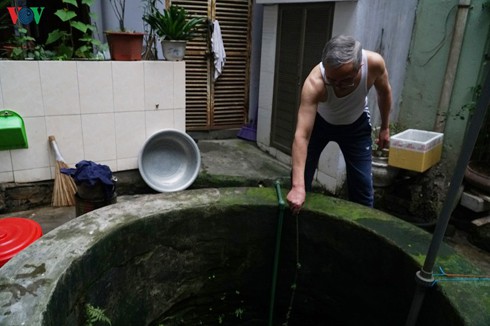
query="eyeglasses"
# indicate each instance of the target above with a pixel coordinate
(344, 83)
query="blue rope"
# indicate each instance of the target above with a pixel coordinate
(449, 278)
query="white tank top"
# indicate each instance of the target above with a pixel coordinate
(347, 109)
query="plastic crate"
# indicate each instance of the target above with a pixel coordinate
(415, 150)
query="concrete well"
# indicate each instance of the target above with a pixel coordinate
(205, 257)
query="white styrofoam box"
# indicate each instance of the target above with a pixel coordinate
(415, 150)
(416, 140)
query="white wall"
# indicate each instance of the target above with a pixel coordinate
(101, 111)
(384, 26)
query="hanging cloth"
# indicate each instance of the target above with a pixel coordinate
(218, 49)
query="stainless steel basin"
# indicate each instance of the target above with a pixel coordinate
(169, 161)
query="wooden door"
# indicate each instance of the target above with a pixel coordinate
(303, 32)
(223, 103)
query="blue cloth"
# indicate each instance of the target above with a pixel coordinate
(355, 143)
(91, 173)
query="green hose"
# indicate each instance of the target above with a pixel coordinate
(282, 205)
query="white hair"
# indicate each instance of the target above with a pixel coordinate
(340, 50)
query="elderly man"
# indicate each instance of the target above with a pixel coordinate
(334, 108)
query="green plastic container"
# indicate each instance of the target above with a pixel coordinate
(12, 131)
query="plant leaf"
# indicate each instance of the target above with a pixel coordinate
(65, 15)
(173, 23)
(55, 36)
(95, 314)
(80, 26)
(65, 51)
(83, 52)
(72, 2)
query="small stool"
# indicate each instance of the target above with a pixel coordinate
(16, 233)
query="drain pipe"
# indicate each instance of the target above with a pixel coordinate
(280, 220)
(452, 65)
(424, 277)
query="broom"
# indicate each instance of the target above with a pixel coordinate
(64, 186)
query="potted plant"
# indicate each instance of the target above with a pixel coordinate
(124, 45)
(175, 27)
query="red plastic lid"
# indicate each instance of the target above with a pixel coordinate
(16, 233)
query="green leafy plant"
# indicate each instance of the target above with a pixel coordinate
(66, 44)
(239, 312)
(23, 47)
(94, 314)
(174, 23)
(468, 108)
(221, 319)
(4, 15)
(21, 43)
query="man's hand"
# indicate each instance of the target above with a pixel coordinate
(383, 140)
(296, 198)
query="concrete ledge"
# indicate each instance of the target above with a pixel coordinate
(225, 163)
(165, 256)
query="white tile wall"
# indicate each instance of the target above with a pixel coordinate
(130, 133)
(99, 136)
(179, 118)
(59, 85)
(67, 129)
(179, 91)
(127, 163)
(157, 96)
(157, 120)
(100, 111)
(129, 88)
(5, 162)
(6, 177)
(32, 175)
(21, 88)
(36, 156)
(95, 84)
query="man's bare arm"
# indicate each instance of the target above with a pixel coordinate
(311, 92)
(383, 91)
